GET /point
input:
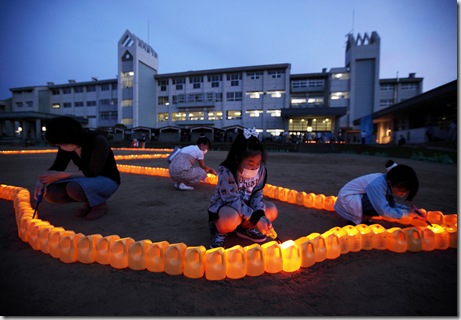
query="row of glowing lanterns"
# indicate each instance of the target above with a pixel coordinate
(235, 262)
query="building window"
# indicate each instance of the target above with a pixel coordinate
(215, 115)
(276, 74)
(409, 86)
(253, 113)
(339, 95)
(277, 113)
(55, 92)
(179, 116)
(66, 90)
(78, 89)
(233, 96)
(341, 76)
(194, 97)
(91, 103)
(30, 104)
(254, 75)
(196, 116)
(67, 105)
(383, 103)
(127, 79)
(163, 101)
(180, 98)
(163, 84)
(78, 104)
(307, 83)
(215, 80)
(19, 104)
(162, 117)
(104, 102)
(91, 88)
(105, 87)
(234, 115)
(114, 86)
(196, 81)
(234, 78)
(179, 82)
(55, 106)
(387, 87)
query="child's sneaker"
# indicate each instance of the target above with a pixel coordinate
(217, 239)
(183, 187)
(250, 234)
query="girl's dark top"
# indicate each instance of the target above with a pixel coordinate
(97, 158)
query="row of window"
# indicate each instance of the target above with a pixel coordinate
(80, 89)
(403, 86)
(233, 78)
(213, 97)
(78, 104)
(214, 115)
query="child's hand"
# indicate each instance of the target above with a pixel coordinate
(38, 189)
(264, 225)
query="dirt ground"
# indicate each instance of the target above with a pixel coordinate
(365, 283)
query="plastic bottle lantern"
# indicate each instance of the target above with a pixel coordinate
(396, 240)
(367, 236)
(68, 247)
(319, 245)
(103, 249)
(427, 238)
(174, 258)
(355, 238)
(435, 217)
(307, 250)
(330, 203)
(379, 236)
(236, 262)
(273, 261)
(291, 256)
(414, 241)
(309, 200)
(194, 262)
(292, 195)
(255, 260)
(137, 259)
(119, 252)
(441, 237)
(451, 219)
(343, 239)
(332, 244)
(155, 256)
(44, 238)
(34, 231)
(319, 201)
(54, 241)
(86, 248)
(215, 266)
(452, 231)
(300, 198)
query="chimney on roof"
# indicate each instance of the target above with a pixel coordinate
(71, 81)
(324, 70)
(412, 75)
(94, 78)
(50, 83)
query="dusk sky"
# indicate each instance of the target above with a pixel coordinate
(58, 40)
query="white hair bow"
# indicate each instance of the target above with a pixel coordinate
(250, 132)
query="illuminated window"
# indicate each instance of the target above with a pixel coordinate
(275, 113)
(179, 116)
(55, 106)
(127, 121)
(215, 115)
(162, 117)
(127, 103)
(234, 115)
(163, 101)
(339, 95)
(253, 113)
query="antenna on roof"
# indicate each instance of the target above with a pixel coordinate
(148, 35)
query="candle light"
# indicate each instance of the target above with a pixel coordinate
(273, 262)
(291, 256)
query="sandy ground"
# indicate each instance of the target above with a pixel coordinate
(365, 283)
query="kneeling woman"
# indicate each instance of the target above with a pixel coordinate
(237, 204)
(97, 177)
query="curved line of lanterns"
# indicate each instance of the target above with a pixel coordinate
(235, 262)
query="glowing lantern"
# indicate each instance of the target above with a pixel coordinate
(441, 237)
(319, 201)
(320, 247)
(215, 265)
(435, 217)
(427, 238)
(273, 261)
(33, 230)
(379, 236)
(270, 191)
(300, 198)
(68, 247)
(55, 239)
(343, 239)
(367, 236)
(103, 249)
(137, 255)
(307, 250)
(309, 200)
(291, 256)
(44, 237)
(194, 262)
(174, 258)
(355, 238)
(452, 231)
(24, 226)
(330, 203)
(332, 244)
(119, 252)
(396, 240)
(283, 194)
(86, 248)
(155, 256)
(451, 219)
(292, 195)
(255, 260)
(236, 262)
(419, 222)
(414, 241)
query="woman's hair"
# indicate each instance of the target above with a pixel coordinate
(64, 130)
(402, 176)
(243, 148)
